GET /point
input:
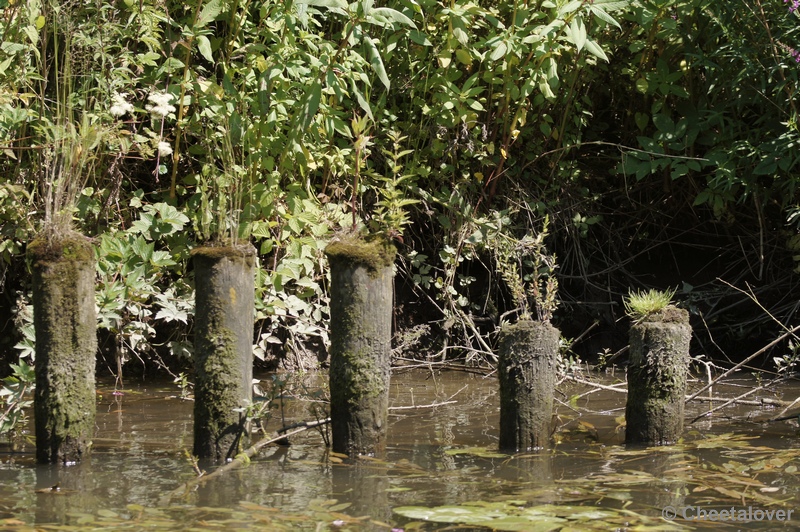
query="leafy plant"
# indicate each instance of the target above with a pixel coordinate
(529, 272)
(16, 397)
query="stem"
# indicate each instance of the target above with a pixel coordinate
(181, 109)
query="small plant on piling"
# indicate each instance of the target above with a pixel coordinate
(640, 304)
(529, 272)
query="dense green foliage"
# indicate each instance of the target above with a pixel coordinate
(658, 137)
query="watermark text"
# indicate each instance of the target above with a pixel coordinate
(740, 514)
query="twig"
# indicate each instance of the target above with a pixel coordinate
(414, 407)
(781, 415)
(240, 459)
(728, 402)
(448, 401)
(614, 388)
(764, 401)
(304, 424)
(745, 361)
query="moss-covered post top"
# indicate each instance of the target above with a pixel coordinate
(243, 252)
(374, 253)
(668, 314)
(70, 246)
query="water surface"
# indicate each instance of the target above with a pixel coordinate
(441, 469)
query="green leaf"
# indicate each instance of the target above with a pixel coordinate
(204, 46)
(766, 167)
(641, 120)
(499, 51)
(362, 102)
(313, 97)
(570, 7)
(420, 38)
(577, 31)
(602, 15)
(664, 123)
(208, 14)
(376, 62)
(392, 15)
(595, 50)
(611, 5)
(340, 5)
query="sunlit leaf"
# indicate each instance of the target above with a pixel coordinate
(376, 62)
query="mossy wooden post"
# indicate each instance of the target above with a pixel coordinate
(659, 360)
(66, 343)
(528, 352)
(361, 334)
(223, 344)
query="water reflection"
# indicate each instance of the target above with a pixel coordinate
(437, 456)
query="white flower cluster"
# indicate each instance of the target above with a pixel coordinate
(164, 149)
(120, 106)
(160, 104)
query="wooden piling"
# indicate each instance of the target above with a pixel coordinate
(528, 353)
(659, 361)
(223, 343)
(361, 333)
(66, 344)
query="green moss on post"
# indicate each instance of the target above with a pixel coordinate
(223, 343)
(361, 333)
(528, 353)
(659, 360)
(66, 345)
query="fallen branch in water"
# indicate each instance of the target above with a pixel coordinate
(781, 416)
(728, 402)
(782, 337)
(596, 385)
(242, 458)
(414, 407)
(764, 401)
(283, 434)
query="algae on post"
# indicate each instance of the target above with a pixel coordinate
(224, 310)
(66, 345)
(361, 332)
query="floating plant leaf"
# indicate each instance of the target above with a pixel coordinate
(478, 452)
(509, 517)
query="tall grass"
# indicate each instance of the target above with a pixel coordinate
(71, 135)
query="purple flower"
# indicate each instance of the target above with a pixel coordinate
(794, 6)
(794, 53)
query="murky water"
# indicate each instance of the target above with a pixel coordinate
(441, 469)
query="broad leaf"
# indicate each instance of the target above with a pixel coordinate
(391, 15)
(208, 14)
(376, 62)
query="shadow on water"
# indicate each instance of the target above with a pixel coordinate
(441, 470)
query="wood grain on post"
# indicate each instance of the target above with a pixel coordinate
(528, 354)
(66, 345)
(360, 352)
(223, 344)
(659, 361)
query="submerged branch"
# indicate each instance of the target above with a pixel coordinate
(244, 457)
(241, 459)
(739, 400)
(789, 332)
